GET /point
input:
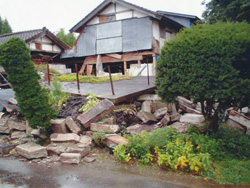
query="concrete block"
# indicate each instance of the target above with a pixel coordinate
(116, 140)
(31, 151)
(69, 137)
(104, 127)
(73, 127)
(160, 113)
(192, 118)
(70, 158)
(58, 126)
(146, 117)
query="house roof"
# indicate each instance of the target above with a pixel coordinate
(30, 35)
(106, 3)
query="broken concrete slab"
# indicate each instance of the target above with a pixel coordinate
(68, 137)
(104, 127)
(149, 97)
(245, 110)
(37, 133)
(147, 106)
(160, 113)
(9, 107)
(6, 148)
(70, 158)
(1, 114)
(17, 125)
(58, 148)
(116, 140)
(146, 117)
(73, 127)
(192, 118)
(85, 140)
(175, 117)
(235, 125)
(165, 120)
(4, 130)
(110, 120)
(239, 118)
(31, 151)
(58, 126)
(17, 135)
(12, 101)
(180, 127)
(137, 129)
(90, 134)
(83, 151)
(95, 113)
(157, 105)
(89, 159)
(187, 105)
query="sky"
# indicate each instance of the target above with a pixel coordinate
(55, 14)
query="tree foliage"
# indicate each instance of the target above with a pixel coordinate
(208, 63)
(32, 98)
(4, 26)
(68, 39)
(227, 10)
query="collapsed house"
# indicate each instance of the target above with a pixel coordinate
(124, 36)
(45, 47)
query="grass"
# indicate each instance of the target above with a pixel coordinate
(92, 79)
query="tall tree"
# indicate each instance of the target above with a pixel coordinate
(68, 39)
(5, 26)
(227, 10)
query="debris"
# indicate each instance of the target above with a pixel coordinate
(68, 137)
(17, 135)
(187, 105)
(137, 129)
(180, 127)
(98, 111)
(147, 106)
(58, 126)
(37, 133)
(165, 120)
(175, 117)
(85, 140)
(89, 159)
(239, 118)
(70, 158)
(160, 113)
(73, 127)
(17, 125)
(104, 127)
(235, 125)
(115, 139)
(149, 97)
(245, 110)
(192, 118)
(83, 151)
(5, 130)
(146, 117)
(12, 101)
(31, 151)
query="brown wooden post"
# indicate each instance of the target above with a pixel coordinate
(48, 74)
(111, 82)
(77, 78)
(125, 67)
(82, 69)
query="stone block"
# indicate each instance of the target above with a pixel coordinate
(58, 126)
(165, 120)
(192, 118)
(85, 140)
(89, 159)
(70, 158)
(104, 127)
(239, 118)
(4, 130)
(84, 151)
(73, 127)
(146, 117)
(68, 137)
(147, 106)
(180, 127)
(160, 113)
(17, 125)
(175, 117)
(137, 129)
(12, 101)
(31, 151)
(6, 148)
(110, 120)
(17, 135)
(235, 125)
(90, 133)
(148, 97)
(116, 140)
(95, 113)
(58, 148)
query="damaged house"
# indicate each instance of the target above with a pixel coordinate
(124, 36)
(45, 47)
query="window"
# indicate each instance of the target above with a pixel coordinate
(107, 18)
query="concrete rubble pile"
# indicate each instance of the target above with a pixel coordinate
(72, 139)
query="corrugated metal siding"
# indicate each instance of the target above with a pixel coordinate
(86, 44)
(137, 34)
(110, 45)
(108, 30)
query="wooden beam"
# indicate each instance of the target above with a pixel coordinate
(154, 65)
(117, 56)
(82, 69)
(125, 68)
(90, 60)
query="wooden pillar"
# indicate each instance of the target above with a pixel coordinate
(139, 63)
(99, 67)
(89, 70)
(154, 65)
(125, 68)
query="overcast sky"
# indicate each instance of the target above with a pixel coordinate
(55, 14)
